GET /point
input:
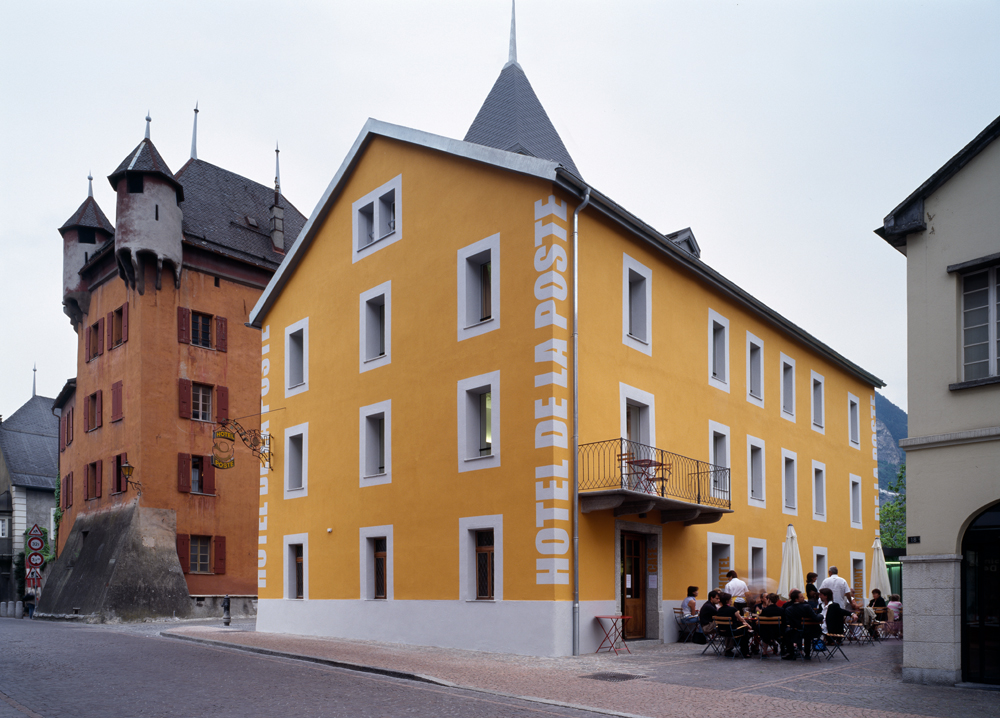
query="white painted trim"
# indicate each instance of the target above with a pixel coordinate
(857, 409)
(642, 398)
(813, 378)
(785, 508)
(819, 515)
(3, 527)
(468, 425)
(761, 503)
(291, 431)
(384, 408)
(366, 566)
(855, 479)
(360, 251)
(859, 556)
(467, 555)
(785, 359)
(753, 543)
(715, 318)
(752, 339)
(467, 329)
(723, 539)
(817, 552)
(288, 570)
(366, 362)
(290, 390)
(644, 343)
(714, 428)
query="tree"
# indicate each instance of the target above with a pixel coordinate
(892, 515)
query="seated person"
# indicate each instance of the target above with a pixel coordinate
(770, 609)
(689, 608)
(797, 610)
(833, 614)
(895, 615)
(877, 600)
(812, 598)
(708, 610)
(740, 627)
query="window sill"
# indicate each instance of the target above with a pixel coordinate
(376, 241)
(480, 458)
(633, 337)
(375, 476)
(201, 573)
(855, 445)
(481, 600)
(380, 357)
(113, 420)
(200, 493)
(289, 490)
(958, 386)
(295, 386)
(479, 323)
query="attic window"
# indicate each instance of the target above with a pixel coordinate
(252, 222)
(134, 181)
(86, 235)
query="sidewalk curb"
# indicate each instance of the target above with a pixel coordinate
(405, 675)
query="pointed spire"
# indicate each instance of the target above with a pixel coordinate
(148, 120)
(512, 57)
(277, 173)
(194, 134)
(90, 184)
(34, 375)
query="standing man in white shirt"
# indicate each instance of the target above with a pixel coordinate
(838, 586)
(738, 590)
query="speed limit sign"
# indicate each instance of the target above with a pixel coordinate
(35, 560)
(35, 543)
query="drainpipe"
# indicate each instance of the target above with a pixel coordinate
(576, 424)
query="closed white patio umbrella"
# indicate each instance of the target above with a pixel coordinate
(791, 565)
(880, 573)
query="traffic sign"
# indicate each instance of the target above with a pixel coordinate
(35, 543)
(35, 531)
(35, 560)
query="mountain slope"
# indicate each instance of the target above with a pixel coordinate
(890, 427)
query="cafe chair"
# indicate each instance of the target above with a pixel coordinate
(684, 628)
(731, 636)
(834, 643)
(769, 635)
(715, 640)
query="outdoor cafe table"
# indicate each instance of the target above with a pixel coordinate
(612, 633)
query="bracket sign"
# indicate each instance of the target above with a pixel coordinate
(258, 442)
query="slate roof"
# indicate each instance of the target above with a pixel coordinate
(89, 214)
(216, 206)
(513, 119)
(29, 445)
(146, 159)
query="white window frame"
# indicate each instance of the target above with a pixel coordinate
(855, 481)
(754, 341)
(785, 508)
(717, 429)
(644, 343)
(289, 540)
(992, 323)
(645, 401)
(755, 443)
(290, 432)
(817, 378)
(470, 287)
(715, 319)
(467, 528)
(817, 514)
(372, 410)
(366, 361)
(853, 414)
(753, 543)
(303, 326)
(468, 422)
(3, 527)
(366, 555)
(787, 361)
(722, 540)
(360, 250)
(817, 552)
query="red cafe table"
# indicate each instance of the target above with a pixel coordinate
(612, 633)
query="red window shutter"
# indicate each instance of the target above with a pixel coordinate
(116, 401)
(86, 413)
(184, 397)
(69, 428)
(184, 473)
(100, 336)
(221, 339)
(98, 478)
(111, 330)
(64, 492)
(62, 433)
(88, 333)
(121, 477)
(70, 494)
(98, 410)
(207, 475)
(220, 554)
(183, 325)
(184, 551)
(125, 322)
(221, 404)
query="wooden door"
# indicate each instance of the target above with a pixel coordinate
(633, 577)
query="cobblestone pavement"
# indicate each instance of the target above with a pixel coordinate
(676, 679)
(62, 670)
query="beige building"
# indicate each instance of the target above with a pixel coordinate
(948, 231)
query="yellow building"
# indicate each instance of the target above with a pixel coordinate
(419, 371)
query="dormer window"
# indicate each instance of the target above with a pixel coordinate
(134, 182)
(252, 222)
(86, 235)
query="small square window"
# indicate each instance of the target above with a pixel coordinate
(86, 235)
(201, 547)
(201, 402)
(134, 182)
(377, 220)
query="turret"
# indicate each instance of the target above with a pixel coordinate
(148, 214)
(84, 234)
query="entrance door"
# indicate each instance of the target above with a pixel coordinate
(634, 584)
(981, 599)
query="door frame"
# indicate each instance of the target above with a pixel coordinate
(654, 596)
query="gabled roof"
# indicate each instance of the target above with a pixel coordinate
(673, 246)
(513, 119)
(89, 214)
(909, 215)
(29, 445)
(146, 159)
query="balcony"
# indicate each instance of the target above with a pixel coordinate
(632, 478)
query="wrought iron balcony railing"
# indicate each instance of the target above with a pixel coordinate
(629, 465)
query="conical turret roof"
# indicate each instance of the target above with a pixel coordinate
(146, 159)
(89, 214)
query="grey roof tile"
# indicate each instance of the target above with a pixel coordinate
(89, 214)
(513, 119)
(29, 444)
(145, 158)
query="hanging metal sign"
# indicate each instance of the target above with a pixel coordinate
(223, 451)
(258, 442)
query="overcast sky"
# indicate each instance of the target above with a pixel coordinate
(781, 132)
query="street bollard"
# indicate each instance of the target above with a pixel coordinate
(3, 609)
(19, 609)
(225, 611)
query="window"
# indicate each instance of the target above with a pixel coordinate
(118, 483)
(376, 562)
(195, 401)
(196, 328)
(378, 218)
(756, 472)
(118, 326)
(481, 556)
(94, 473)
(484, 564)
(858, 575)
(855, 502)
(819, 491)
(297, 461)
(376, 444)
(201, 330)
(3, 528)
(981, 325)
(787, 387)
(116, 402)
(755, 370)
(297, 357)
(93, 411)
(479, 285)
(718, 350)
(479, 421)
(819, 561)
(86, 235)
(853, 421)
(195, 474)
(719, 458)
(721, 552)
(789, 482)
(95, 340)
(638, 415)
(200, 553)
(296, 556)
(757, 563)
(376, 327)
(201, 402)
(637, 305)
(133, 181)
(67, 491)
(296, 552)
(818, 403)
